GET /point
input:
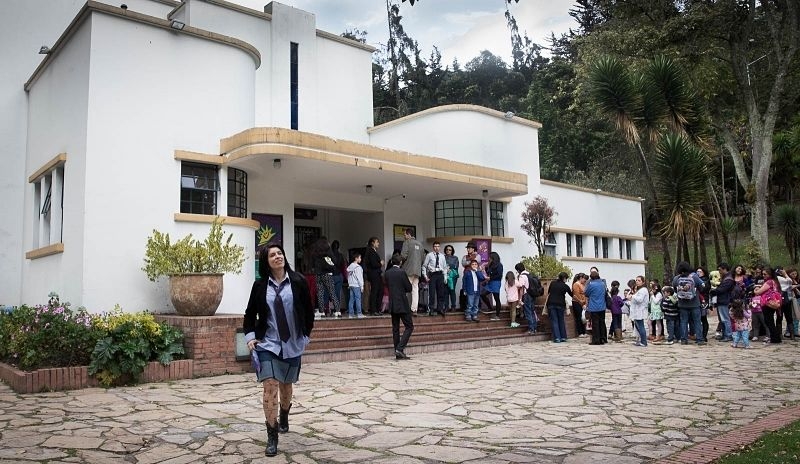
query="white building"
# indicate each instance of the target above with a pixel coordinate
(161, 114)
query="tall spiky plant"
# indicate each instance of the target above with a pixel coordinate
(681, 174)
(787, 217)
(643, 106)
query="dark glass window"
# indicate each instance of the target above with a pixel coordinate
(237, 193)
(199, 187)
(458, 217)
(293, 83)
(619, 241)
(628, 248)
(496, 213)
(579, 245)
(569, 244)
(605, 247)
(597, 247)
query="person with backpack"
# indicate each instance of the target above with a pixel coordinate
(687, 287)
(725, 292)
(531, 288)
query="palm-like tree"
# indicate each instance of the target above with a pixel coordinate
(645, 106)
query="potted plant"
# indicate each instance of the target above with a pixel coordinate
(195, 268)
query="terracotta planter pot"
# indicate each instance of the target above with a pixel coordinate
(196, 294)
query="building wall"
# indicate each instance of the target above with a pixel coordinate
(58, 108)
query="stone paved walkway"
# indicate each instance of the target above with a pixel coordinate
(535, 403)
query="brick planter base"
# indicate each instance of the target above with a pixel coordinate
(74, 378)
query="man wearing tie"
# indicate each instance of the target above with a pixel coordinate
(435, 267)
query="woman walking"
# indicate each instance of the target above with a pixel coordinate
(639, 300)
(579, 303)
(277, 323)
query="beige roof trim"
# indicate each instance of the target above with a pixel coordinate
(596, 233)
(240, 9)
(345, 40)
(588, 190)
(587, 259)
(271, 141)
(467, 238)
(460, 107)
(226, 220)
(183, 155)
(96, 7)
(58, 160)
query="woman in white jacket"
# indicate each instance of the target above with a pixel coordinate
(638, 304)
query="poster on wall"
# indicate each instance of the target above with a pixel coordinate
(270, 229)
(484, 248)
(398, 234)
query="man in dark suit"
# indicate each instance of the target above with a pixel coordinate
(398, 284)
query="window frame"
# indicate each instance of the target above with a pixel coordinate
(579, 245)
(294, 85)
(569, 244)
(237, 193)
(441, 217)
(204, 207)
(497, 218)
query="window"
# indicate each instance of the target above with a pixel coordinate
(596, 246)
(579, 245)
(199, 187)
(458, 217)
(237, 193)
(569, 244)
(293, 83)
(550, 245)
(628, 249)
(48, 204)
(620, 242)
(496, 209)
(605, 247)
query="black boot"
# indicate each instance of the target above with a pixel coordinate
(283, 422)
(272, 440)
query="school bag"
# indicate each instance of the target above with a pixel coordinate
(685, 290)
(534, 286)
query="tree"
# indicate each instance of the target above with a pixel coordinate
(537, 218)
(644, 106)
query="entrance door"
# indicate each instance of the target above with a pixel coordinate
(304, 237)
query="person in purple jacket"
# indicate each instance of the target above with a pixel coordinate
(616, 314)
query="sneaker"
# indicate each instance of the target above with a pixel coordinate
(468, 319)
(765, 339)
(582, 336)
(531, 332)
(475, 319)
(733, 345)
(717, 334)
(514, 325)
(702, 342)
(360, 316)
(640, 345)
(670, 342)
(495, 318)
(684, 342)
(748, 347)
(337, 314)
(350, 316)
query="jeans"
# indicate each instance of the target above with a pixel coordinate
(673, 328)
(639, 323)
(472, 306)
(741, 336)
(691, 315)
(724, 313)
(354, 305)
(527, 309)
(557, 322)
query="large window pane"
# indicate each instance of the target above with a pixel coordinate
(458, 217)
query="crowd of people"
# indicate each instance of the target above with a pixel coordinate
(750, 305)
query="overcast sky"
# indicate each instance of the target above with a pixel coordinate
(459, 28)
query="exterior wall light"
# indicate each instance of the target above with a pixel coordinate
(368, 188)
(276, 163)
(177, 25)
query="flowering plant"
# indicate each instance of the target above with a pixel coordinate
(115, 345)
(52, 335)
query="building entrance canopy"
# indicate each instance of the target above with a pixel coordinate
(325, 163)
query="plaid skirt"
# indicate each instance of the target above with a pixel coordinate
(275, 367)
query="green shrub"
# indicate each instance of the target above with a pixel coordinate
(214, 255)
(51, 335)
(546, 267)
(116, 346)
(130, 341)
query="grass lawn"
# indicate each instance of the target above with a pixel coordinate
(779, 255)
(781, 446)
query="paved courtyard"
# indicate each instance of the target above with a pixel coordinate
(534, 403)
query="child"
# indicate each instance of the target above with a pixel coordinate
(742, 318)
(656, 314)
(472, 288)
(512, 296)
(355, 280)
(669, 306)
